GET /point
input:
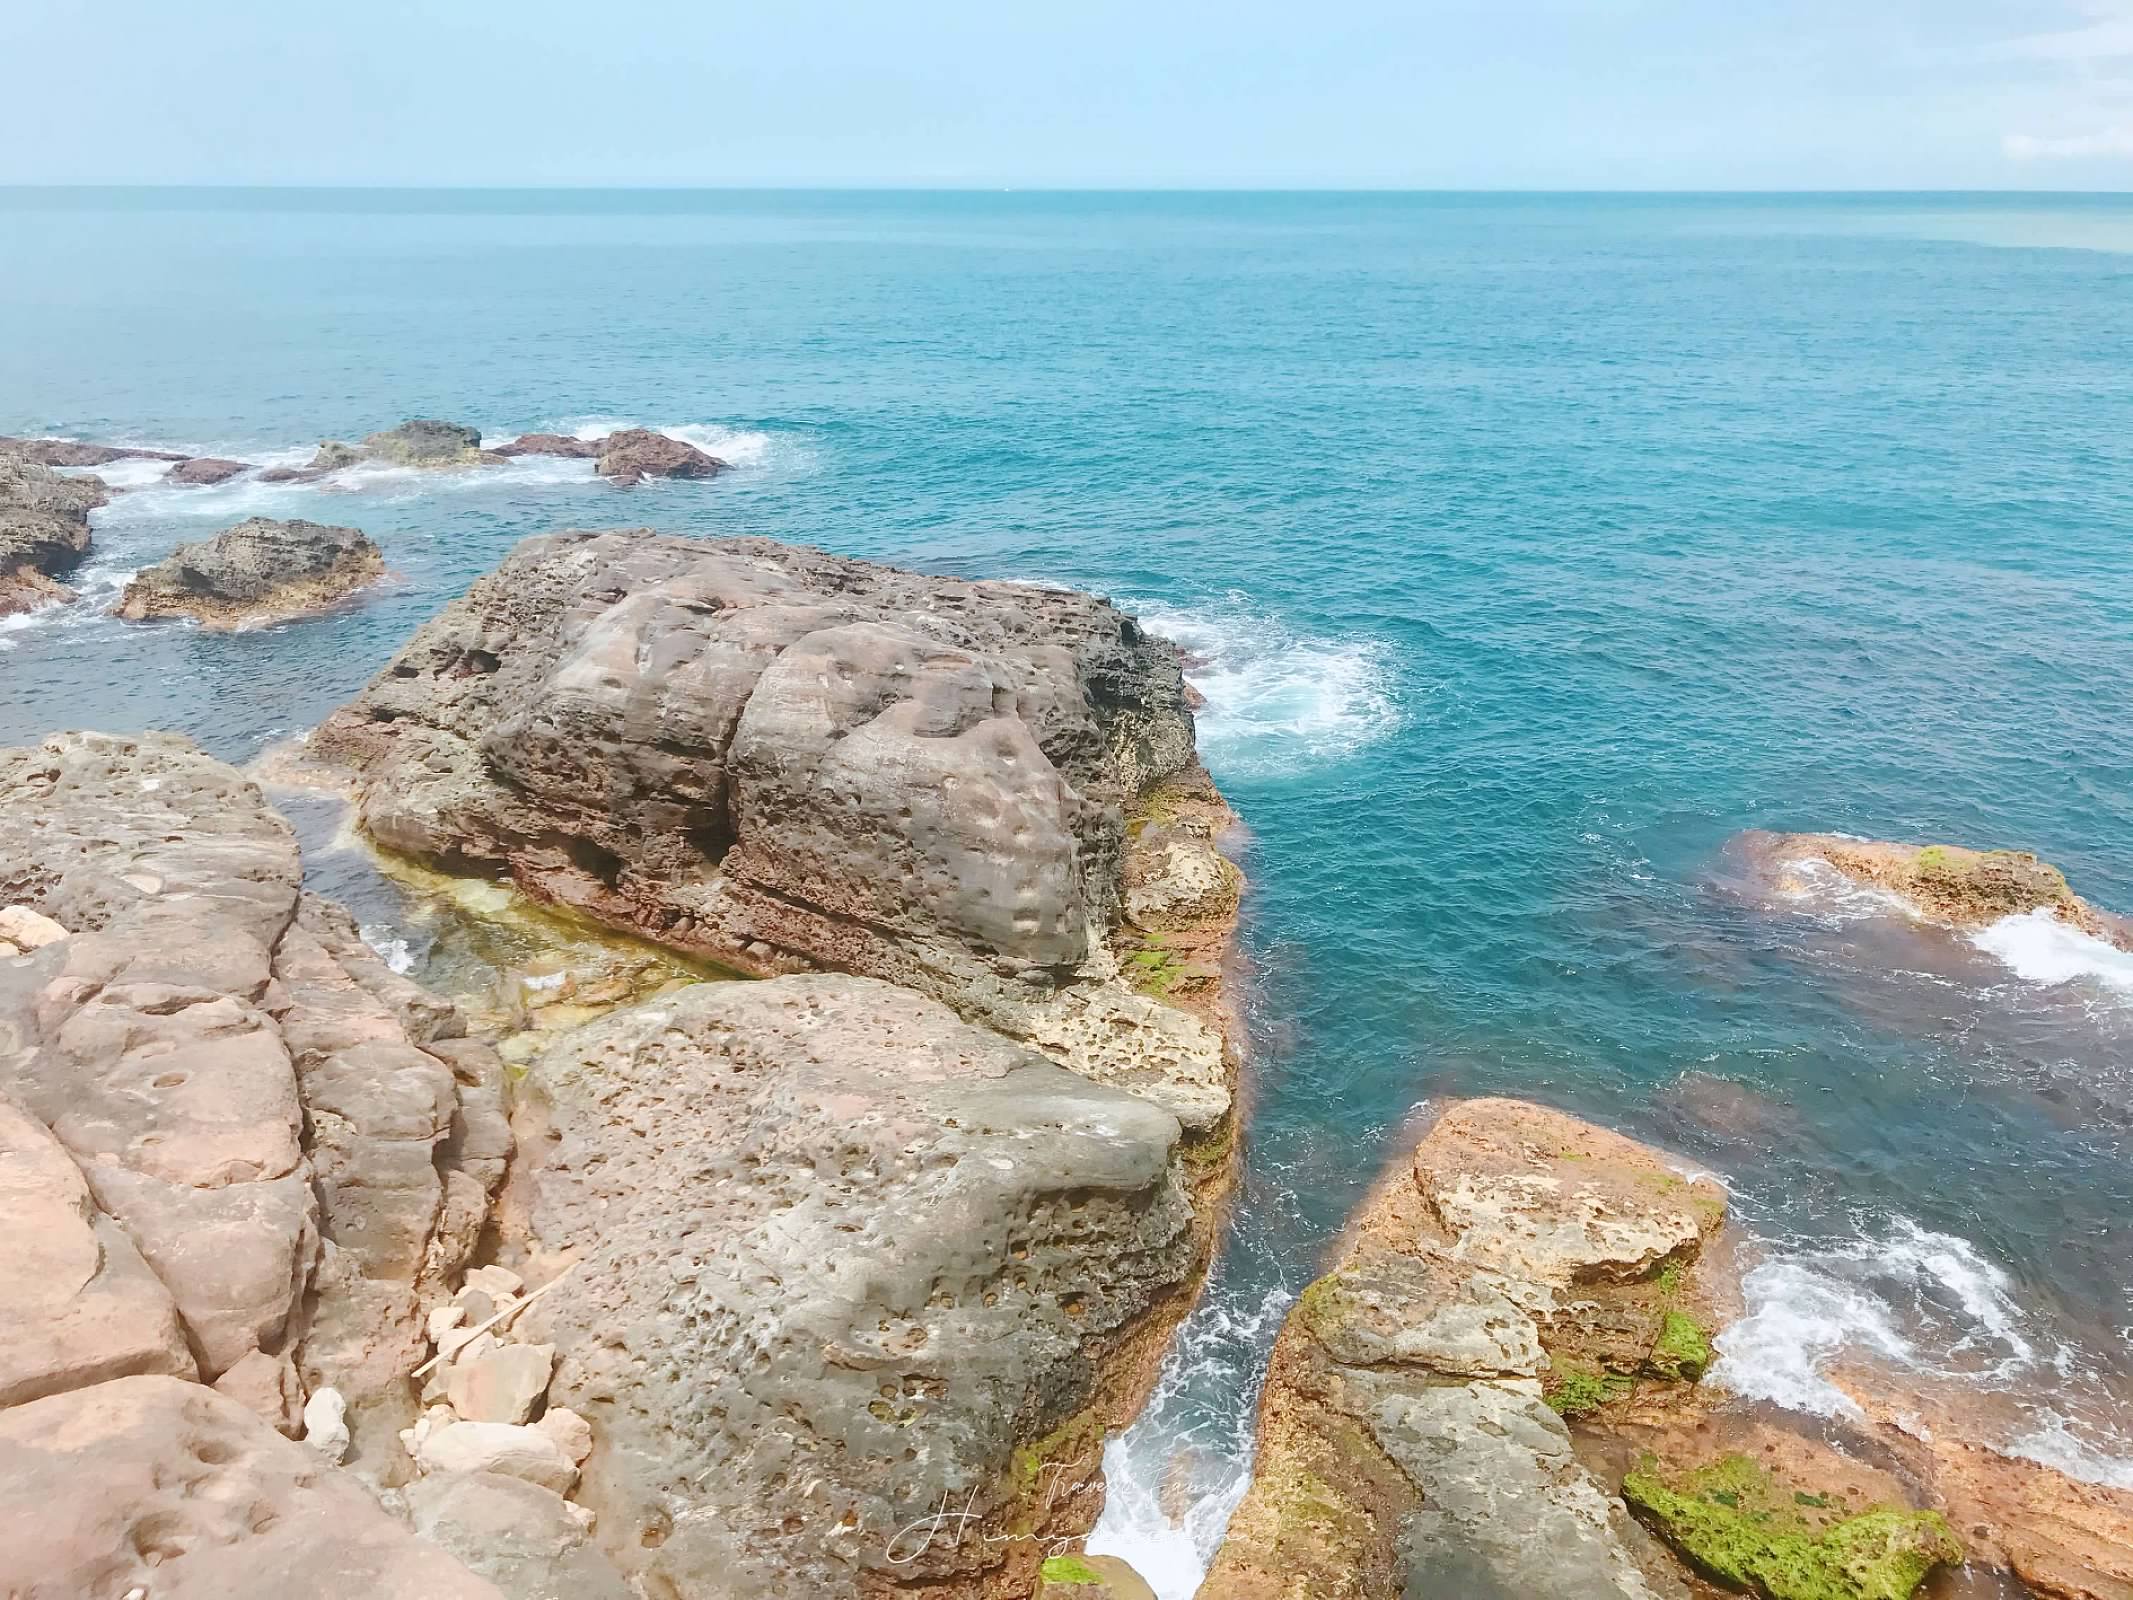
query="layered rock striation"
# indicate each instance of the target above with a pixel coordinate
(261, 571)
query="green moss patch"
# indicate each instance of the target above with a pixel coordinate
(1070, 1569)
(1682, 1351)
(1733, 1523)
(1578, 1393)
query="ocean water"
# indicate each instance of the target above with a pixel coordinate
(1529, 549)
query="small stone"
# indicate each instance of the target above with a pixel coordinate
(326, 1423)
(571, 1432)
(146, 882)
(31, 930)
(515, 1450)
(497, 1282)
(443, 1319)
(478, 1305)
(503, 1384)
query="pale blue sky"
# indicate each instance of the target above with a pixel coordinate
(1431, 94)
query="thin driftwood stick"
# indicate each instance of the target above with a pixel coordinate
(505, 1315)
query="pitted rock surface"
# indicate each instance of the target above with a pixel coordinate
(779, 758)
(257, 572)
(273, 1119)
(151, 1486)
(832, 1256)
(1406, 1445)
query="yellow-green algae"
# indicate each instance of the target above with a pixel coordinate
(1070, 1569)
(1579, 1393)
(1732, 1522)
(1682, 1349)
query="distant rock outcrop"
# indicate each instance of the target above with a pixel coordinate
(552, 444)
(1949, 884)
(257, 572)
(44, 531)
(635, 454)
(206, 470)
(73, 453)
(426, 443)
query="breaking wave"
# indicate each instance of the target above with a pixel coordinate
(1918, 1301)
(1278, 702)
(2038, 948)
(1174, 1477)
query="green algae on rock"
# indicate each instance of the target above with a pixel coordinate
(1682, 1350)
(1737, 1524)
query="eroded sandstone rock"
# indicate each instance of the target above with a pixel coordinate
(778, 758)
(75, 453)
(206, 470)
(258, 572)
(153, 1486)
(553, 444)
(273, 1119)
(44, 531)
(527, 1540)
(1408, 1441)
(426, 442)
(838, 1264)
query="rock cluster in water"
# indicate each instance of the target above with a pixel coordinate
(820, 1284)
(259, 571)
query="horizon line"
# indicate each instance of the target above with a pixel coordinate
(732, 186)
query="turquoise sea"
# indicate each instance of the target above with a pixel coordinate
(1528, 548)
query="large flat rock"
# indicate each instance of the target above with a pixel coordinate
(838, 1262)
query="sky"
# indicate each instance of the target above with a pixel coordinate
(1461, 94)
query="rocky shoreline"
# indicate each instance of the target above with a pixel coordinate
(838, 1277)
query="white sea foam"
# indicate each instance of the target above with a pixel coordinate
(1219, 1353)
(1821, 889)
(1915, 1300)
(2038, 948)
(1278, 702)
(391, 948)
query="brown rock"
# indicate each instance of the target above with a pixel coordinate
(263, 1107)
(258, 572)
(44, 532)
(267, 1386)
(1091, 1578)
(1949, 884)
(152, 1486)
(73, 453)
(80, 1306)
(1405, 1442)
(552, 444)
(638, 453)
(501, 1385)
(206, 469)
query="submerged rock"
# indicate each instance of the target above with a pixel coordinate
(44, 532)
(258, 572)
(638, 453)
(858, 1288)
